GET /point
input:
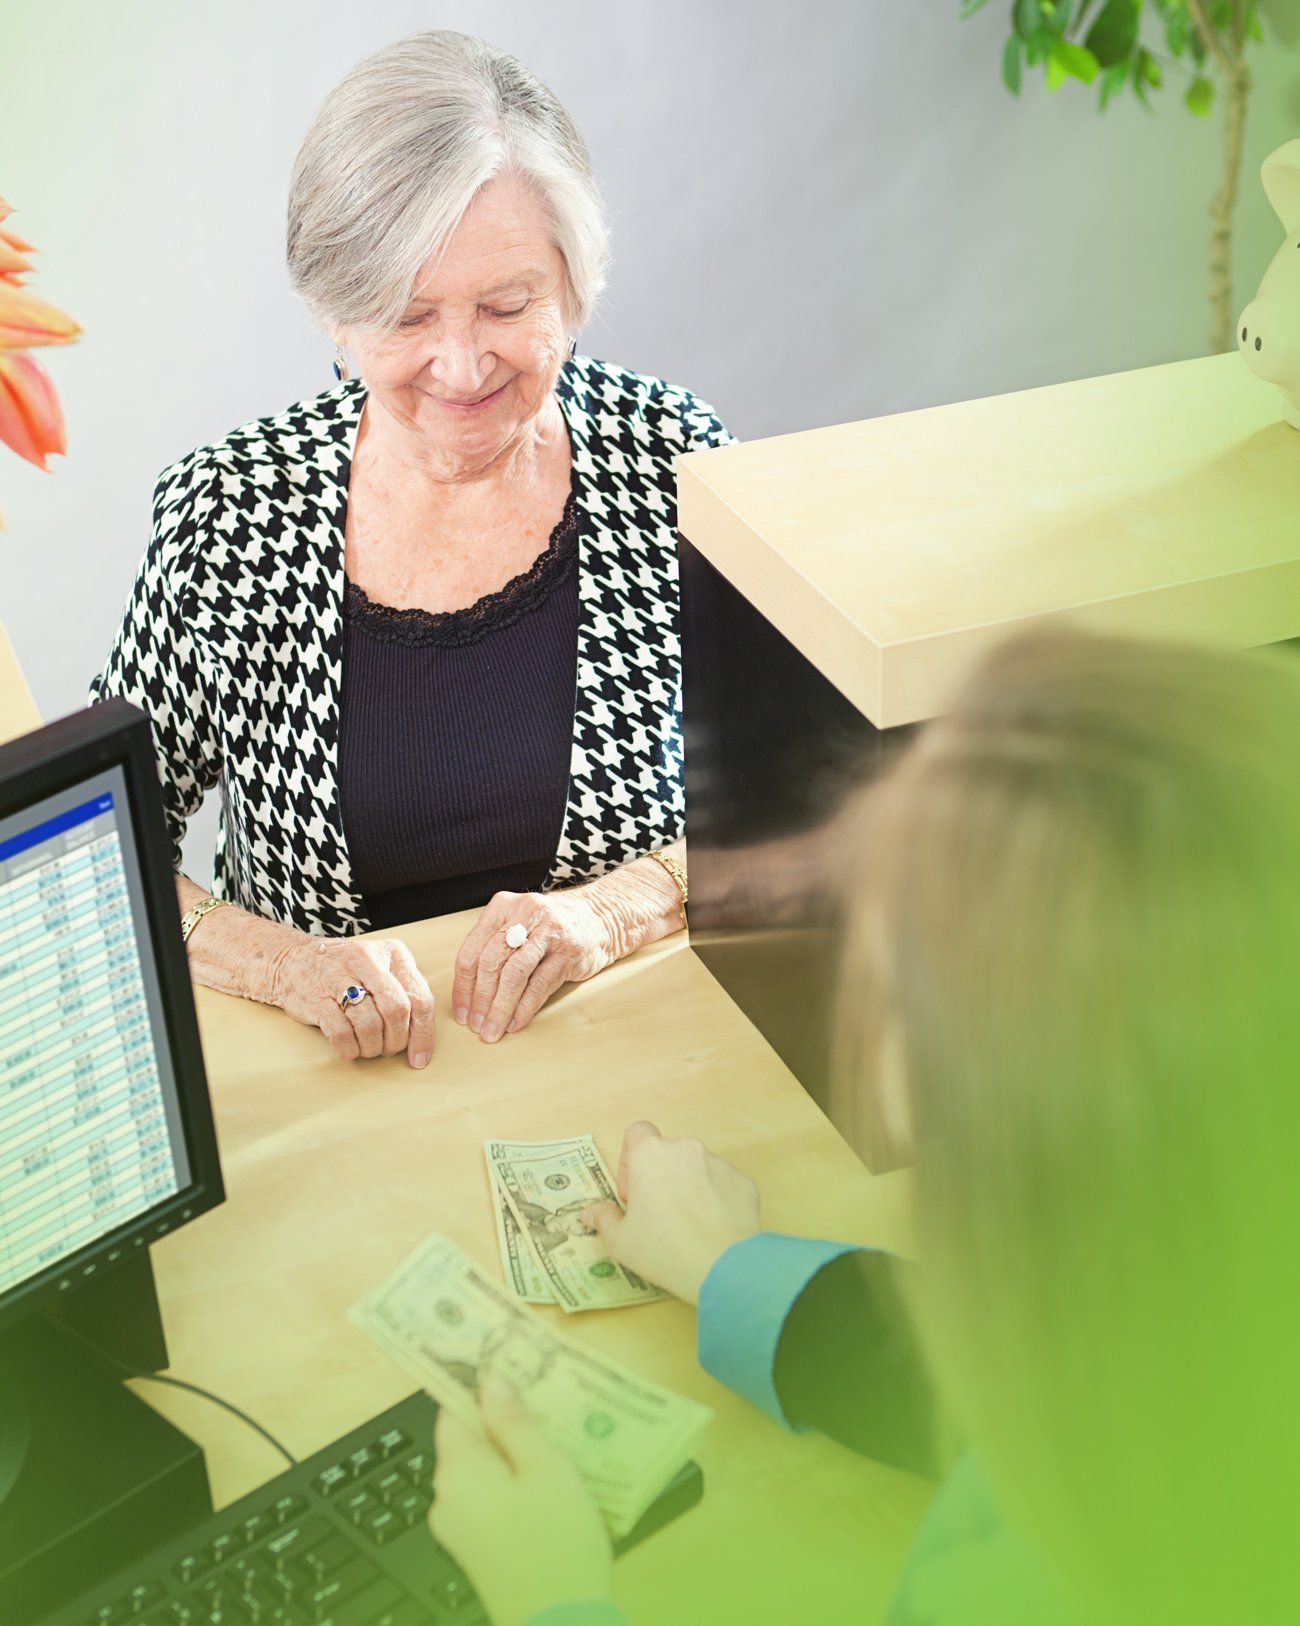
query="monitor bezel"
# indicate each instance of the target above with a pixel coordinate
(55, 758)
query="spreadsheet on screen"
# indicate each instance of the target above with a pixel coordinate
(90, 1134)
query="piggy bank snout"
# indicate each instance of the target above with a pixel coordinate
(1267, 340)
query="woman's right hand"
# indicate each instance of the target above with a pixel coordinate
(685, 1206)
(309, 974)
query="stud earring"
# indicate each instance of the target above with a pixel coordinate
(573, 348)
(340, 365)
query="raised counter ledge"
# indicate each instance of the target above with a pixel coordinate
(891, 551)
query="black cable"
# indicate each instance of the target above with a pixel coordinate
(194, 1389)
(180, 1383)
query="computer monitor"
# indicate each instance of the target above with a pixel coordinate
(106, 1133)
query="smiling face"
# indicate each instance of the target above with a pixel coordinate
(474, 357)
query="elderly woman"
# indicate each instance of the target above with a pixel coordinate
(420, 628)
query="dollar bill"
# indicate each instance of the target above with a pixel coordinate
(522, 1272)
(443, 1320)
(546, 1185)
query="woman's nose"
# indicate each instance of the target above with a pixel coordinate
(459, 363)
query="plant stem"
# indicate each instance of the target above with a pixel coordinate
(1236, 94)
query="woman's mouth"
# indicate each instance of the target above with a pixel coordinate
(459, 404)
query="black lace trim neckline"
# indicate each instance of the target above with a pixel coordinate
(454, 628)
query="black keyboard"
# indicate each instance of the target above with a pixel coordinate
(341, 1539)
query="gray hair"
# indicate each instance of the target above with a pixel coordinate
(395, 156)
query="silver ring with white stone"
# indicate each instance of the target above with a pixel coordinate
(516, 935)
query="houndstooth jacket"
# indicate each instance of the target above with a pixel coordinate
(232, 640)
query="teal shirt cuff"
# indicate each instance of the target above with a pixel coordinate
(744, 1303)
(590, 1612)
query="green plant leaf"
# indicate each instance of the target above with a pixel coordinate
(1200, 96)
(1011, 64)
(1178, 29)
(1253, 29)
(1112, 80)
(1026, 18)
(1056, 72)
(969, 8)
(1113, 36)
(1077, 61)
(1150, 70)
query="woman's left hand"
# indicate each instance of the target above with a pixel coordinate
(514, 1513)
(572, 935)
(499, 989)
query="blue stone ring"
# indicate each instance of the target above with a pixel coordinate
(352, 995)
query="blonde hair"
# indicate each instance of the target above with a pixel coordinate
(1075, 911)
(397, 153)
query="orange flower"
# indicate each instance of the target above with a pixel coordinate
(26, 320)
(30, 419)
(13, 256)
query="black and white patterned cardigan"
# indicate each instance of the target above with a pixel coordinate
(233, 640)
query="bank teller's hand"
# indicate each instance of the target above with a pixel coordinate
(514, 1513)
(309, 974)
(685, 1206)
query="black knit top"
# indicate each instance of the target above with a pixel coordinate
(456, 731)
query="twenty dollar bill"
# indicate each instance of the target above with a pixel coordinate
(441, 1318)
(543, 1186)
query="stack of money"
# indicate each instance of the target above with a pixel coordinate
(539, 1189)
(446, 1322)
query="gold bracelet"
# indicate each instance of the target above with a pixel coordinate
(191, 917)
(678, 874)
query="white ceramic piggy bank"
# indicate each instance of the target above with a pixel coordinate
(1268, 330)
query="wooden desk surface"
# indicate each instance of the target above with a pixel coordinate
(335, 1170)
(890, 552)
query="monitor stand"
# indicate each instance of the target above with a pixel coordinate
(91, 1476)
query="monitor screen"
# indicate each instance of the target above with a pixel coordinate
(90, 1133)
(98, 1136)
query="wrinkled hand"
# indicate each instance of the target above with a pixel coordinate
(498, 989)
(309, 974)
(514, 1513)
(685, 1206)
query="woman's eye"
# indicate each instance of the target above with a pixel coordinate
(411, 321)
(518, 311)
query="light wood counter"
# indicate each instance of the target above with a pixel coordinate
(335, 1170)
(18, 714)
(889, 552)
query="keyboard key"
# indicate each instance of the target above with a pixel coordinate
(382, 1526)
(358, 1504)
(390, 1442)
(405, 1613)
(257, 1525)
(362, 1460)
(192, 1567)
(453, 1592)
(352, 1578)
(410, 1506)
(332, 1479)
(390, 1484)
(375, 1601)
(329, 1555)
(295, 1538)
(224, 1546)
(286, 1508)
(418, 1467)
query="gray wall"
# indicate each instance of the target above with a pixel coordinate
(822, 211)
